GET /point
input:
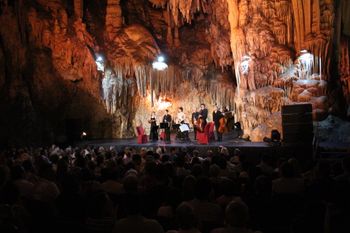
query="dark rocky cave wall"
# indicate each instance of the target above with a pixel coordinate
(237, 53)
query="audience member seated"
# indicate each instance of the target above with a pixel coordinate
(91, 189)
(135, 222)
(236, 219)
(288, 183)
(186, 220)
(209, 214)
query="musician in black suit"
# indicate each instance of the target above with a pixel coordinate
(167, 120)
(195, 115)
(217, 115)
(204, 113)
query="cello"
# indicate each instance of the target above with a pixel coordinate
(222, 125)
(199, 124)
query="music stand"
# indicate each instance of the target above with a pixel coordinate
(163, 125)
(184, 127)
(176, 126)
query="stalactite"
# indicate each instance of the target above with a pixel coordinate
(114, 19)
(78, 8)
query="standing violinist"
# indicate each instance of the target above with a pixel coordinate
(217, 115)
(195, 115)
(204, 113)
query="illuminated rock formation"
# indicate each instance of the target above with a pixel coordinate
(90, 62)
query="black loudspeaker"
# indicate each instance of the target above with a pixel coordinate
(297, 123)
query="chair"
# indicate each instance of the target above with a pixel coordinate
(141, 136)
(162, 135)
(207, 134)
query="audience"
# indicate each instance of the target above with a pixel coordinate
(101, 190)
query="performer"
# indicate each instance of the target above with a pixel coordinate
(217, 115)
(154, 127)
(238, 129)
(204, 113)
(167, 121)
(200, 124)
(195, 115)
(230, 119)
(181, 116)
(183, 129)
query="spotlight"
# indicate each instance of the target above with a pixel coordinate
(245, 64)
(99, 59)
(306, 57)
(160, 59)
(159, 64)
(100, 63)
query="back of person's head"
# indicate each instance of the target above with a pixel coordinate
(185, 217)
(180, 160)
(195, 160)
(203, 188)
(165, 158)
(136, 159)
(229, 187)
(70, 183)
(197, 170)
(219, 160)
(17, 172)
(266, 158)
(99, 205)
(130, 183)
(287, 170)
(28, 165)
(132, 204)
(151, 168)
(237, 214)
(214, 170)
(188, 187)
(263, 185)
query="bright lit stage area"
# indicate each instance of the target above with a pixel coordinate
(253, 150)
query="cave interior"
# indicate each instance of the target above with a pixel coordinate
(73, 65)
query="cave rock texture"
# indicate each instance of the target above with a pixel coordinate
(68, 66)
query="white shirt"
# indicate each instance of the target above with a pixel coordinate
(180, 117)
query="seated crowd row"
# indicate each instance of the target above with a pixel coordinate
(152, 190)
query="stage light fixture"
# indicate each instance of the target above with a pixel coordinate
(159, 64)
(100, 63)
(99, 59)
(245, 64)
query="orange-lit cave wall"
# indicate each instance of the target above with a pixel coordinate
(91, 62)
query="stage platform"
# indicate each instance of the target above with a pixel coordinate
(251, 149)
